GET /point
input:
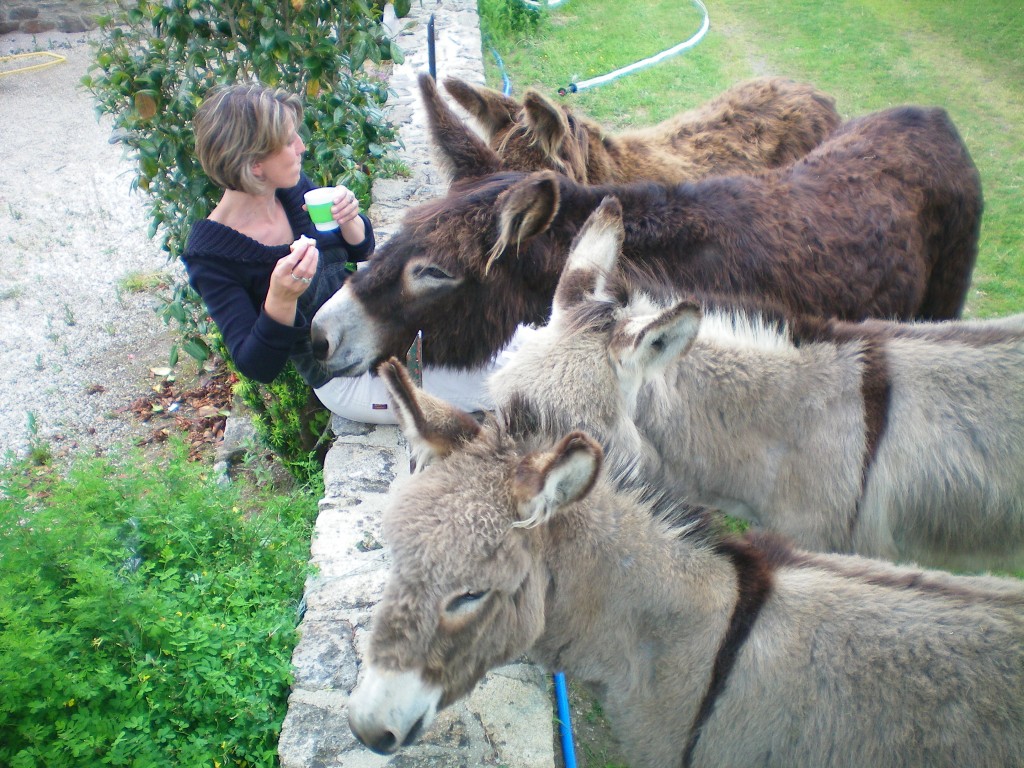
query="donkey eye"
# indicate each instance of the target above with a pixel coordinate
(464, 601)
(430, 271)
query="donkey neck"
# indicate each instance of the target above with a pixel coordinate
(659, 219)
(629, 594)
(740, 415)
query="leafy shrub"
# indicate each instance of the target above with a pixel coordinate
(147, 614)
(504, 22)
(156, 60)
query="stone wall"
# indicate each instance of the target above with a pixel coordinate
(37, 16)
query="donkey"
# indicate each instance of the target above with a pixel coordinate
(762, 123)
(881, 220)
(705, 650)
(891, 440)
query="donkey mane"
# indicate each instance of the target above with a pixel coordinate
(516, 428)
(471, 190)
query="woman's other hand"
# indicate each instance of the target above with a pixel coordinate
(346, 212)
(291, 277)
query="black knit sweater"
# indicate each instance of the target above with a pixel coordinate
(231, 272)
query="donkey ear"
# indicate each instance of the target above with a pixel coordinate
(650, 344)
(547, 481)
(546, 121)
(463, 152)
(492, 109)
(432, 427)
(593, 256)
(525, 209)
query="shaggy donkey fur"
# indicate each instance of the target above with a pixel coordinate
(881, 220)
(705, 651)
(892, 440)
(763, 123)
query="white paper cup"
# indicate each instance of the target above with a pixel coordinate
(318, 205)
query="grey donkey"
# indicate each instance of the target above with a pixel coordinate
(705, 650)
(903, 441)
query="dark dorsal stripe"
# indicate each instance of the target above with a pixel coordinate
(754, 583)
(876, 391)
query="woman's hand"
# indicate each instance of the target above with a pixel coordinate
(345, 211)
(291, 277)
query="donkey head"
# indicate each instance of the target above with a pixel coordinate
(585, 369)
(465, 269)
(532, 136)
(467, 583)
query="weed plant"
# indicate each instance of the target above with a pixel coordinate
(505, 23)
(147, 613)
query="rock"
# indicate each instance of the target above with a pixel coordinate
(23, 12)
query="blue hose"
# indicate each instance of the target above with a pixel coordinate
(564, 720)
(506, 83)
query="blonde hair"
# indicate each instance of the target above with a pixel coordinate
(238, 125)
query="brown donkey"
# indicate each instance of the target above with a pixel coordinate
(881, 220)
(762, 123)
(704, 650)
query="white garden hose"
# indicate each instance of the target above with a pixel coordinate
(602, 79)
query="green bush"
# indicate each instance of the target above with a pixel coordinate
(506, 22)
(147, 614)
(156, 60)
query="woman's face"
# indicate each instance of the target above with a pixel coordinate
(280, 170)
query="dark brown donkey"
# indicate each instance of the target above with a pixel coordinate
(762, 123)
(881, 220)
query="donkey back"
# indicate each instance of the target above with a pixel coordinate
(762, 123)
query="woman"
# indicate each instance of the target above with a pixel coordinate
(261, 266)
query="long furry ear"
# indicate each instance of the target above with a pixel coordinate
(492, 109)
(432, 427)
(464, 154)
(594, 253)
(525, 209)
(547, 481)
(643, 346)
(546, 121)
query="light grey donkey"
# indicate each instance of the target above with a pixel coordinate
(704, 650)
(903, 441)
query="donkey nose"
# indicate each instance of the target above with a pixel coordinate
(321, 346)
(383, 743)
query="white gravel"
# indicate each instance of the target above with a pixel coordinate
(75, 348)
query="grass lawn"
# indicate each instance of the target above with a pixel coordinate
(869, 54)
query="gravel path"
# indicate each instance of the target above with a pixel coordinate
(75, 347)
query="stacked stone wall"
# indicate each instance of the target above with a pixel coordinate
(35, 17)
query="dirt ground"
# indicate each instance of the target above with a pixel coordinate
(78, 343)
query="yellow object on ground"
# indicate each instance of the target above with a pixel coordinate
(49, 59)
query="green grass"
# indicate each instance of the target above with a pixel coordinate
(869, 54)
(145, 282)
(147, 613)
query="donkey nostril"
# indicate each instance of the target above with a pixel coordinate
(320, 346)
(386, 744)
